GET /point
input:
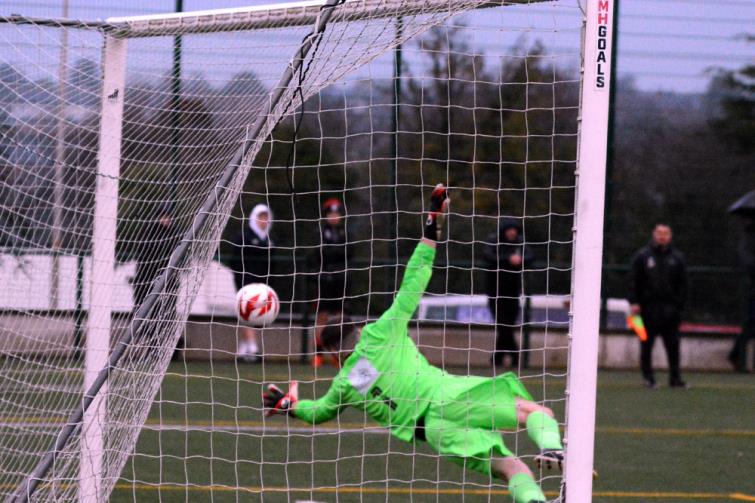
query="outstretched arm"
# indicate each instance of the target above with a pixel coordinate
(417, 275)
(310, 411)
(419, 269)
(323, 409)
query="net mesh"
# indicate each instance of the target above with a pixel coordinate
(487, 104)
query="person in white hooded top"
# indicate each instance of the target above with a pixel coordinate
(253, 249)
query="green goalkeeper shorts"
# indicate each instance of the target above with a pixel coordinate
(463, 424)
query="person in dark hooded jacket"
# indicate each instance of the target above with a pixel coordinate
(657, 291)
(162, 237)
(154, 253)
(505, 257)
(738, 354)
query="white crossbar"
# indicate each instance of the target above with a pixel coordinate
(276, 15)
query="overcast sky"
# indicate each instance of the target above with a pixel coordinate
(664, 44)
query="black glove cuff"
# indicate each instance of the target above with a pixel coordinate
(431, 228)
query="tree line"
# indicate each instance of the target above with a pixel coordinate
(501, 132)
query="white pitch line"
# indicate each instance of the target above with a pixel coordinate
(243, 429)
(267, 429)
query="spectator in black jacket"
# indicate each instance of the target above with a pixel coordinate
(154, 252)
(160, 239)
(252, 265)
(330, 262)
(505, 257)
(738, 354)
(657, 291)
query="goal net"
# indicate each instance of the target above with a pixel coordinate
(134, 153)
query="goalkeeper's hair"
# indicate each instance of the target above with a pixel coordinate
(339, 333)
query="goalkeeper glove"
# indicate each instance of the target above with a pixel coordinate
(438, 207)
(278, 403)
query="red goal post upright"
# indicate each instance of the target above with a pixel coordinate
(588, 249)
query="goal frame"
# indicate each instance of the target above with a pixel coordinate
(587, 230)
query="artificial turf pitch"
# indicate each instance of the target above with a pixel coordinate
(206, 440)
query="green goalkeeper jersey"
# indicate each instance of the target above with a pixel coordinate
(386, 376)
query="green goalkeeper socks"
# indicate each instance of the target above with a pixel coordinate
(524, 489)
(543, 430)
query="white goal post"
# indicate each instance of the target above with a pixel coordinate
(588, 250)
(138, 146)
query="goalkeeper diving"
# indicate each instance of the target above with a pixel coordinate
(460, 417)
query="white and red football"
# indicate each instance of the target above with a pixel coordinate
(257, 304)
